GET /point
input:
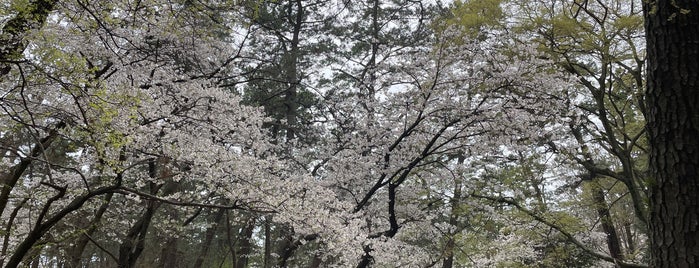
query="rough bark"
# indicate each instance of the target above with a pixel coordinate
(291, 246)
(285, 245)
(672, 37)
(169, 255)
(317, 261)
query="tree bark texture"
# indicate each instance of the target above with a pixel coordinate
(672, 36)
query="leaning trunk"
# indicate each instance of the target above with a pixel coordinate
(75, 252)
(613, 242)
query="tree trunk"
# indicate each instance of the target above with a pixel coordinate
(40, 228)
(454, 214)
(169, 254)
(8, 180)
(672, 37)
(292, 74)
(630, 243)
(134, 242)
(76, 251)
(8, 230)
(208, 238)
(268, 242)
(285, 245)
(245, 243)
(450, 246)
(613, 242)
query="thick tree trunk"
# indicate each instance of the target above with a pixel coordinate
(285, 245)
(672, 35)
(454, 203)
(317, 261)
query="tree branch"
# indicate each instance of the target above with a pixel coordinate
(560, 229)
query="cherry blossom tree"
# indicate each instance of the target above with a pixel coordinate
(315, 133)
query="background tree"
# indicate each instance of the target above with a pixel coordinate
(604, 140)
(324, 133)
